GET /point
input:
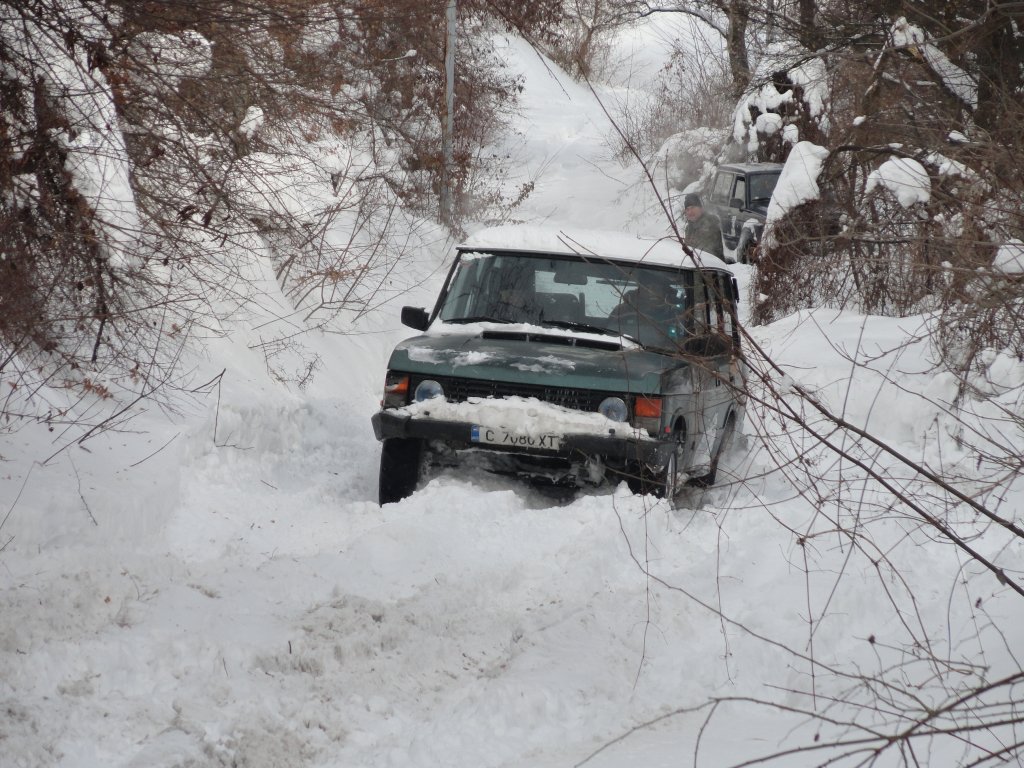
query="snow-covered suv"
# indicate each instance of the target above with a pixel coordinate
(739, 196)
(565, 358)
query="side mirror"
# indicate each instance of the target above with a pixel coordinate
(737, 203)
(415, 317)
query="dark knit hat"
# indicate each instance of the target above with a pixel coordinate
(692, 199)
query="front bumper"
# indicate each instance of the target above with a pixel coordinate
(624, 449)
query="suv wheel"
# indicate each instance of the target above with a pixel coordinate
(671, 484)
(400, 462)
(745, 246)
(671, 481)
(706, 481)
(746, 256)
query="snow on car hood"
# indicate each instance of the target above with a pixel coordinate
(533, 355)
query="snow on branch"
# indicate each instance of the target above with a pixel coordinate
(788, 86)
(906, 178)
(797, 184)
(956, 80)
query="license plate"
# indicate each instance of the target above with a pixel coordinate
(492, 436)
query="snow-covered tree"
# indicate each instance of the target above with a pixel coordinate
(164, 163)
(901, 195)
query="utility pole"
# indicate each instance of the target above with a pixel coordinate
(448, 126)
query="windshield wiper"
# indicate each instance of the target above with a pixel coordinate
(479, 319)
(574, 326)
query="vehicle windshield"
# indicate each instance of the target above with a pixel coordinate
(648, 304)
(762, 185)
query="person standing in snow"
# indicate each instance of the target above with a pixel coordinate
(703, 229)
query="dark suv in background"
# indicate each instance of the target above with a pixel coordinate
(739, 196)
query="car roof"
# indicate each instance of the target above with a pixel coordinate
(750, 167)
(615, 246)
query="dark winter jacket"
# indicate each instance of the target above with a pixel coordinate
(705, 233)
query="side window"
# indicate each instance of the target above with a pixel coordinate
(714, 305)
(740, 190)
(700, 314)
(729, 306)
(729, 327)
(720, 192)
(726, 307)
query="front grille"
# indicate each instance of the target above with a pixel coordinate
(459, 390)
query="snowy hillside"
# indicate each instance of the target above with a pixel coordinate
(218, 586)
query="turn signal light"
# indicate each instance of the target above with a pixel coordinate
(647, 408)
(396, 390)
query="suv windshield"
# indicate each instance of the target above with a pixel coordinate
(761, 186)
(651, 305)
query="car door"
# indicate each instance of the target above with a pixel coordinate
(721, 192)
(714, 362)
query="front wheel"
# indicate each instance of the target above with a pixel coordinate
(672, 478)
(666, 481)
(728, 434)
(745, 246)
(400, 462)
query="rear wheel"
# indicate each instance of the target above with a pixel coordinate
(400, 461)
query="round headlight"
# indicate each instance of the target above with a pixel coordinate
(613, 408)
(427, 390)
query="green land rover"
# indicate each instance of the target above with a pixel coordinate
(567, 359)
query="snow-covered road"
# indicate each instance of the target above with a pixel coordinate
(218, 588)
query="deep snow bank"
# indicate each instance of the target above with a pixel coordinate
(244, 601)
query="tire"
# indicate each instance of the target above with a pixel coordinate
(668, 485)
(400, 461)
(745, 246)
(708, 480)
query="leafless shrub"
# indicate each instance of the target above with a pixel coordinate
(945, 680)
(690, 97)
(224, 133)
(575, 34)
